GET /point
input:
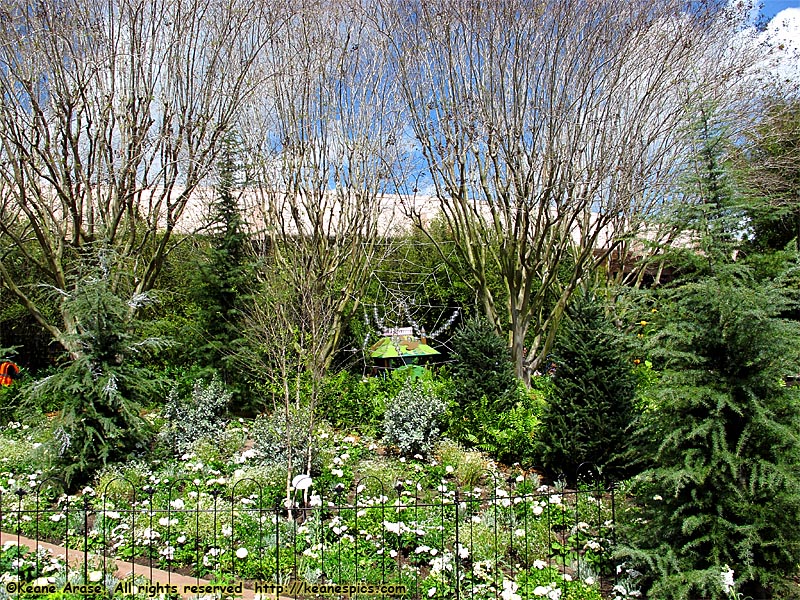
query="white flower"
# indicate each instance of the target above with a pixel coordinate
(95, 576)
(241, 553)
(56, 518)
(592, 545)
(396, 528)
(589, 581)
(509, 591)
(728, 584)
(539, 564)
(449, 469)
(657, 498)
(337, 472)
(537, 510)
(519, 532)
(227, 531)
(111, 514)
(463, 552)
(177, 504)
(181, 539)
(431, 592)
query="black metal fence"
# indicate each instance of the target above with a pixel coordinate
(500, 538)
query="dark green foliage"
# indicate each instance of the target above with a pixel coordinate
(352, 402)
(591, 406)
(102, 388)
(484, 389)
(221, 283)
(724, 488)
(482, 365)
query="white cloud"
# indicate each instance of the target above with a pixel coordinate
(782, 36)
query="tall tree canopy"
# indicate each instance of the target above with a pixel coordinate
(551, 131)
(112, 114)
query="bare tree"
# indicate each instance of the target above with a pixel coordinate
(551, 132)
(112, 113)
(325, 141)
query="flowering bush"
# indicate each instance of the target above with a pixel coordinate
(423, 527)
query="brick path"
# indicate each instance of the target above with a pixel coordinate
(124, 569)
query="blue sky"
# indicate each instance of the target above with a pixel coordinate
(773, 7)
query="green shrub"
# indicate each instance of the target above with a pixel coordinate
(284, 436)
(488, 407)
(413, 418)
(352, 402)
(482, 366)
(592, 404)
(723, 490)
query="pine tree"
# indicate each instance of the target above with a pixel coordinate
(723, 491)
(589, 416)
(222, 284)
(484, 386)
(103, 387)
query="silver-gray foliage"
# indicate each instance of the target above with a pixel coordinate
(199, 416)
(284, 439)
(412, 419)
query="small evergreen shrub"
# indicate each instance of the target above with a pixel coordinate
(202, 415)
(482, 366)
(591, 406)
(488, 408)
(413, 419)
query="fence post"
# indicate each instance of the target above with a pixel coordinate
(456, 549)
(85, 538)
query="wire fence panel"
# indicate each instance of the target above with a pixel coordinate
(415, 539)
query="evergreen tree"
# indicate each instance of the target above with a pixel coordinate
(102, 389)
(723, 491)
(486, 409)
(222, 285)
(592, 407)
